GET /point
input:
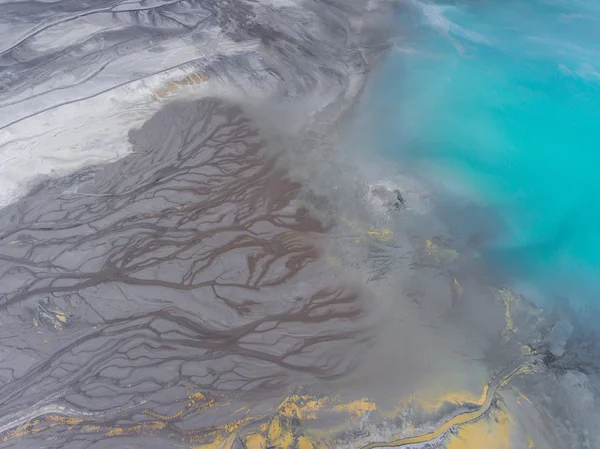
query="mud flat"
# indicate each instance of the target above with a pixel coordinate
(189, 294)
(180, 277)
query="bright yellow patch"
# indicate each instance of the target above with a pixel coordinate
(233, 426)
(26, 429)
(431, 401)
(115, 432)
(256, 441)
(64, 419)
(304, 443)
(493, 432)
(275, 429)
(383, 235)
(358, 408)
(279, 435)
(301, 406)
(197, 397)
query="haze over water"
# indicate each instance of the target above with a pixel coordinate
(497, 103)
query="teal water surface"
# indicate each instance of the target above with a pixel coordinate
(498, 102)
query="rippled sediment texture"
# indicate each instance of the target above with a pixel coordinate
(215, 271)
(76, 76)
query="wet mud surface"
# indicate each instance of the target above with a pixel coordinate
(184, 275)
(196, 294)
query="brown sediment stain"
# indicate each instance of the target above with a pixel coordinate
(173, 87)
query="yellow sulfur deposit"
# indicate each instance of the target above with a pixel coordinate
(358, 408)
(491, 432)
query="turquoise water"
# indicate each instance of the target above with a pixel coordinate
(499, 103)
